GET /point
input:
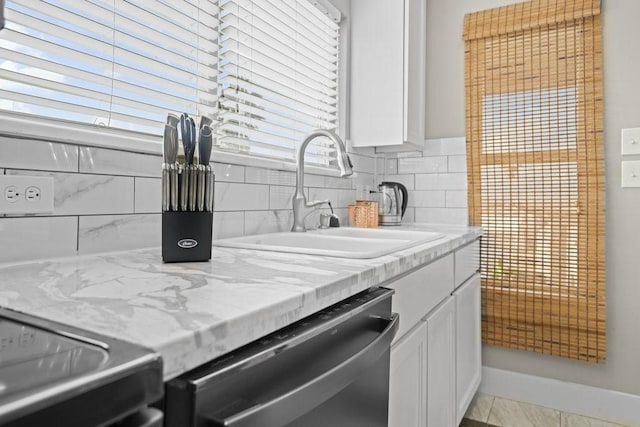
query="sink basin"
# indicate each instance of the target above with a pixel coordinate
(337, 242)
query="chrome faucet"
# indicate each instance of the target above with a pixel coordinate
(300, 204)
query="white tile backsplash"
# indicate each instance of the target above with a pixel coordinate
(269, 176)
(38, 155)
(363, 163)
(280, 197)
(228, 173)
(37, 237)
(339, 198)
(456, 199)
(457, 164)
(241, 197)
(102, 233)
(148, 195)
(456, 216)
(115, 162)
(433, 164)
(427, 199)
(228, 224)
(259, 222)
(84, 194)
(391, 167)
(311, 180)
(445, 147)
(441, 181)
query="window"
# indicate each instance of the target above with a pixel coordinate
(267, 71)
(535, 161)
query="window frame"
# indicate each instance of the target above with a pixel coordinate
(46, 129)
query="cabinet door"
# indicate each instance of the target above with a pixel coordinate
(415, 53)
(468, 343)
(407, 381)
(441, 366)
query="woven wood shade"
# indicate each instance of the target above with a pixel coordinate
(534, 119)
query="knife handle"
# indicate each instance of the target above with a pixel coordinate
(165, 188)
(184, 188)
(173, 189)
(193, 185)
(210, 188)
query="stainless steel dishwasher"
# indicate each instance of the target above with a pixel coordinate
(329, 369)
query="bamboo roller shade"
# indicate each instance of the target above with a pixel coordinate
(534, 120)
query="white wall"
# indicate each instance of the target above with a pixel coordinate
(445, 118)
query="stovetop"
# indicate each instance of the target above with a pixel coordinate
(50, 371)
(32, 357)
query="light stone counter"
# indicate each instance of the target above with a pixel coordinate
(193, 312)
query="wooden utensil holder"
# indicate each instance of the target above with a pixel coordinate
(364, 214)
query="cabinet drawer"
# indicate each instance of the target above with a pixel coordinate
(419, 292)
(467, 262)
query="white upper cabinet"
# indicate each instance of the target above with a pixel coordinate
(388, 51)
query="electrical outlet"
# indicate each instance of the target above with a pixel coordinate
(21, 194)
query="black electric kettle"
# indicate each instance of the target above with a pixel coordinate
(393, 203)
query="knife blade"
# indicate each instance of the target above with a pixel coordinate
(185, 133)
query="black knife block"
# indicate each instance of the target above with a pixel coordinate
(186, 236)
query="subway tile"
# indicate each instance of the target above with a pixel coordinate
(457, 216)
(456, 199)
(312, 180)
(228, 224)
(269, 176)
(407, 180)
(117, 162)
(148, 195)
(280, 197)
(362, 179)
(228, 173)
(391, 167)
(409, 216)
(38, 155)
(337, 182)
(433, 164)
(259, 222)
(441, 181)
(104, 233)
(380, 165)
(426, 199)
(408, 154)
(84, 194)
(506, 412)
(457, 164)
(444, 147)
(363, 163)
(339, 198)
(231, 196)
(31, 238)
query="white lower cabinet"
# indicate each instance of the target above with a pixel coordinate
(441, 365)
(468, 344)
(436, 356)
(408, 379)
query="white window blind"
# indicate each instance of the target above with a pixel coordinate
(278, 77)
(122, 64)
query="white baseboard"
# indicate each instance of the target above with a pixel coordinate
(563, 396)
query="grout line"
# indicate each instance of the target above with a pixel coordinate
(78, 234)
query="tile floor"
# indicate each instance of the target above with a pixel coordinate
(491, 411)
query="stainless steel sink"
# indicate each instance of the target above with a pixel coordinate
(342, 242)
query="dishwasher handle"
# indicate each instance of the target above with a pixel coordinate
(295, 403)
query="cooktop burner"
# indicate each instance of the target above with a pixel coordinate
(32, 357)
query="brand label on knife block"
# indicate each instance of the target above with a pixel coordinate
(186, 236)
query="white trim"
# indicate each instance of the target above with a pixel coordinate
(51, 130)
(328, 9)
(561, 395)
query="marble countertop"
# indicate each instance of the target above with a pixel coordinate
(193, 312)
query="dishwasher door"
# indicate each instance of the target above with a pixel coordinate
(331, 368)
